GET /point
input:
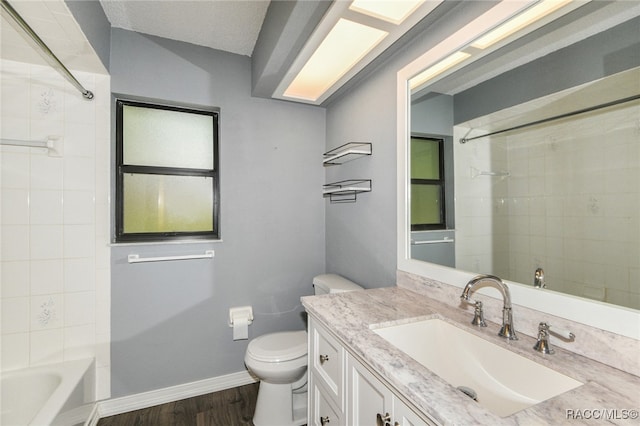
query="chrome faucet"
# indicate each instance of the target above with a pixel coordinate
(507, 329)
(538, 278)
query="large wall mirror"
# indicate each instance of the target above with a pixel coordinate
(527, 156)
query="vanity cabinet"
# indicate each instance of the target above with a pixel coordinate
(343, 391)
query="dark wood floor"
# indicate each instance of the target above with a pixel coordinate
(231, 407)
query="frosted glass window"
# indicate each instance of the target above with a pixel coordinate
(167, 183)
(427, 184)
(164, 138)
(157, 203)
(426, 204)
(425, 158)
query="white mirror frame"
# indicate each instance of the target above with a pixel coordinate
(616, 319)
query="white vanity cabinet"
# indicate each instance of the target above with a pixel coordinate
(343, 391)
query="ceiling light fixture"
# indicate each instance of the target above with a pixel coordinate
(342, 48)
(391, 11)
(350, 36)
(503, 20)
(439, 68)
(526, 18)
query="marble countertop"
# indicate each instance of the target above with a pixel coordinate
(350, 317)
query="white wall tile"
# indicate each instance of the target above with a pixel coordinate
(47, 311)
(79, 174)
(45, 207)
(15, 315)
(79, 308)
(14, 209)
(14, 169)
(79, 342)
(15, 242)
(13, 102)
(79, 207)
(79, 139)
(79, 274)
(14, 128)
(46, 347)
(14, 278)
(46, 242)
(46, 276)
(79, 241)
(15, 351)
(46, 172)
(76, 110)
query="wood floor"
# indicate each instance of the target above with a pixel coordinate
(231, 407)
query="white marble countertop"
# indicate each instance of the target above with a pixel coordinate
(350, 315)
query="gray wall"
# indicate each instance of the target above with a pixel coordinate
(169, 319)
(432, 115)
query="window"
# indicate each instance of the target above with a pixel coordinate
(427, 184)
(167, 177)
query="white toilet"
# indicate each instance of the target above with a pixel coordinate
(279, 360)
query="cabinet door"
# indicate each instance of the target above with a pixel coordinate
(326, 362)
(368, 398)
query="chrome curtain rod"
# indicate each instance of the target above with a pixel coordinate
(45, 49)
(557, 117)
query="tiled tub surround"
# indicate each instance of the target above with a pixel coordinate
(54, 217)
(350, 315)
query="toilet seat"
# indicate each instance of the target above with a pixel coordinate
(278, 347)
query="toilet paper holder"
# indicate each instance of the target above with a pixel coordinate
(240, 313)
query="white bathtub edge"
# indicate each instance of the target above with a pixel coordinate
(111, 407)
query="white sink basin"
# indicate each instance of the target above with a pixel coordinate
(504, 382)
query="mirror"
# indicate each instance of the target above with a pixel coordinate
(546, 196)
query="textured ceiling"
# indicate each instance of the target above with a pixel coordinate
(229, 25)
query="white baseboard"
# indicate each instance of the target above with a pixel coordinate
(111, 407)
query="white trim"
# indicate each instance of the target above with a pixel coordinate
(111, 407)
(94, 417)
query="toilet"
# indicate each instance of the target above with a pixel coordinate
(279, 360)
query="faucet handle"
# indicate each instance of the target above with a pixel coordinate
(542, 345)
(478, 315)
(544, 329)
(562, 333)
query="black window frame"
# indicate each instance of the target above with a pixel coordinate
(122, 169)
(441, 183)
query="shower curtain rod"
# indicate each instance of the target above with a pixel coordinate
(557, 117)
(45, 49)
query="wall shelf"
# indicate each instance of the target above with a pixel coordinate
(347, 152)
(346, 191)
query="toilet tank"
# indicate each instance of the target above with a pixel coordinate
(333, 283)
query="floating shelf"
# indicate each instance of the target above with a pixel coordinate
(347, 152)
(346, 191)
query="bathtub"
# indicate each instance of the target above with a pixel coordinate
(55, 394)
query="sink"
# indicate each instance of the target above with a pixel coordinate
(503, 381)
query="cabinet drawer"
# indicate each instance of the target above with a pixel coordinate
(323, 412)
(327, 359)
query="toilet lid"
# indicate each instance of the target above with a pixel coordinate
(278, 347)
